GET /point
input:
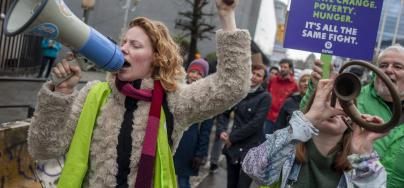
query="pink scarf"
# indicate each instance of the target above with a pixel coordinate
(127, 89)
(145, 170)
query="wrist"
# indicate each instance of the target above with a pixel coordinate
(311, 117)
(64, 90)
(228, 20)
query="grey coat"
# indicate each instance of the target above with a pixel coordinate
(56, 116)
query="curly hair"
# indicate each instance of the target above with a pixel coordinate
(167, 61)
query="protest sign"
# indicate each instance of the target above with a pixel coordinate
(346, 28)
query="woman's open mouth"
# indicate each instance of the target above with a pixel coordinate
(125, 64)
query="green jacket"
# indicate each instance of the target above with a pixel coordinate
(391, 147)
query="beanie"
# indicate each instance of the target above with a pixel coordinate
(199, 65)
(305, 72)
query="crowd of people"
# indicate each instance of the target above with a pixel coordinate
(149, 124)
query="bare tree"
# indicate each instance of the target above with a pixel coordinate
(194, 25)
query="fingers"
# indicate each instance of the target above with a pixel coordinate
(61, 69)
(226, 4)
(318, 67)
(317, 73)
(356, 129)
(70, 56)
(75, 69)
(224, 136)
(66, 67)
(338, 112)
(372, 119)
(315, 76)
(324, 88)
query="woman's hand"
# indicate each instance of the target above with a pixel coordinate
(62, 70)
(227, 14)
(362, 139)
(317, 73)
(321, 108)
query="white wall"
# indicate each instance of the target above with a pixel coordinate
(266, 27)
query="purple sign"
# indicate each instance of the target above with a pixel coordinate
(346, 28)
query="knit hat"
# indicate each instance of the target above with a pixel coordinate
(199, 65)
(305, 72)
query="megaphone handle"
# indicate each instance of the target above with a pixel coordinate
(56, 81)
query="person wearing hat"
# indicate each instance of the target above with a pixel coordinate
(292, 102)
(198, 69)
(193, 147)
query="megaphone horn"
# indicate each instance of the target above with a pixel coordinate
(53, 19)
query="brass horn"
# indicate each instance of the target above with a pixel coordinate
(347, 87)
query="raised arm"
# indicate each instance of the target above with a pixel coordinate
(218, 92)
(367, 171)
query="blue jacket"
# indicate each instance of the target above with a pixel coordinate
(194, 143)
(50, 48)
(274, 160)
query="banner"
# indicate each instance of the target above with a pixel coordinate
(346, 28)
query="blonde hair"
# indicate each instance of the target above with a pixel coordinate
(167, 61)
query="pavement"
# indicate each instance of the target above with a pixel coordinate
(218, 179)
(213, 180)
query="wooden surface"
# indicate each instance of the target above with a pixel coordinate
(16, 166)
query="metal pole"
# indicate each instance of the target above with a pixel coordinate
(85, 15)
(379, 42)
(397, 23)
(87, 5)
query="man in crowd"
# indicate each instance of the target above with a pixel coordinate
(280, 87)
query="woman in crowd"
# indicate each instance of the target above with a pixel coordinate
(133, 113)
(247, 129)
(321, 148)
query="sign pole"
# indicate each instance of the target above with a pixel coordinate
(326, 59)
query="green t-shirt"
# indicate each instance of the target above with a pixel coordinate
(318, 171)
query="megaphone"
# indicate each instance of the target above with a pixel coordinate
(53, 19)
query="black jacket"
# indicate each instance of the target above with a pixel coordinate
(247, 130)
(291, 104)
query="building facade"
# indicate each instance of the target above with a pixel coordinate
(391, 27)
